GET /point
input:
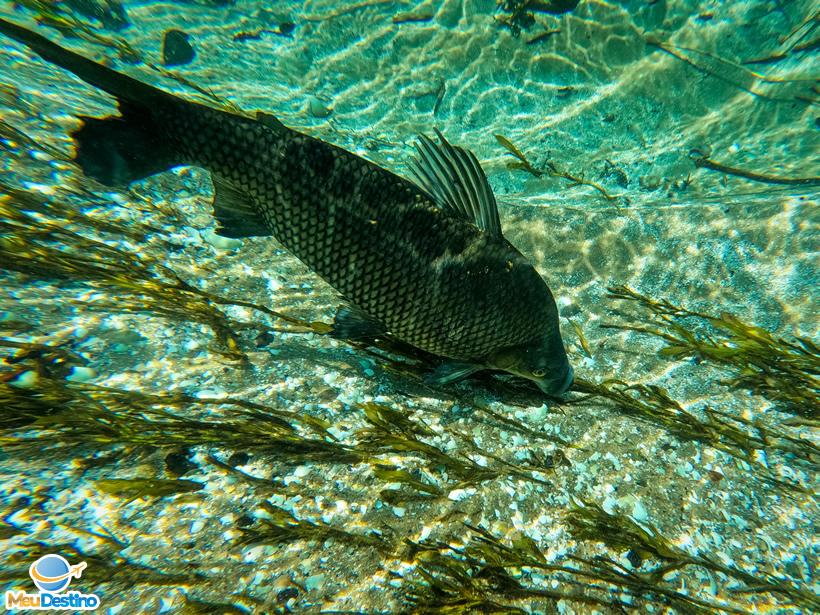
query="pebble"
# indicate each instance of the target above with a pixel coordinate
(176, 50)
(254, 553)
(459, 494)
(639, 513)
(81, 374)
(178, 464)
(539, 414)
(239, 458)
(314, 581)
(317, 108)
(209, 236)
(301, 471)
(26, 380)
(210, 394)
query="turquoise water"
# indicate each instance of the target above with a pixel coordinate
(672, 149)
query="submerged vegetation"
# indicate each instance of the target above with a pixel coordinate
(488, 573)
(134, 488)
(279, 526)
(552, 169)
(734, 435)
(67, 415)
(412, 460)
(701, 160)
(59, 15)
(786, 372)
(411, 463)
(590, 522)
(739, 76)
(517, 15)
(51, 250)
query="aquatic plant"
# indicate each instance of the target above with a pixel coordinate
(794, 42)
(582, 339)
(783, 371)
(484, 572)
(519, 14)
(106, 567)
(131, 489)
(12, 138)
(738, 437)
(33, 365)
(552, 169)
(64, 414)
(736, 74)
(588, 521)
(523, 162)
(58, 15)
(702, 160)
(279, 526)
(49, 249)
(392, 432)
(202, 607)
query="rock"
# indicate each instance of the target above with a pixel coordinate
(239, 459)
(81, 374)
(178, 463)
(220, 242)
(176, 50)
(634, 558)
(317, 108)
(314, 582)
(27, 380)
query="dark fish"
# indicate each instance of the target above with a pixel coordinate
(425, 261)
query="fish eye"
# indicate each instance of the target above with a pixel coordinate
(539, 373)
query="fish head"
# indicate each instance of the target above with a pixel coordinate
(544, 361)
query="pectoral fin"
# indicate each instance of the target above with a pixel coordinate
(235, 212)
(454, 371)
(351, 323)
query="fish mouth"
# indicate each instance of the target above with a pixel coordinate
(549, 386)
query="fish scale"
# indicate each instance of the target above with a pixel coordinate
(424, 261)
(295, 194)
(328, 231)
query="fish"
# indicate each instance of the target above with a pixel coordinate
(422, 259)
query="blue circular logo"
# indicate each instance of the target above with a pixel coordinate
(51, 573)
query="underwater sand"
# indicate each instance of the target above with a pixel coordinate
(595, 100)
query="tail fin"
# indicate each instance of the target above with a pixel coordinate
(115, 150)
(118, 150)
(121, 86)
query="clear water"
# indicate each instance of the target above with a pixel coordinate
(626, 95)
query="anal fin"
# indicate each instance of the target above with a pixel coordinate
(452, 371)
(235, 212)
(351, 323)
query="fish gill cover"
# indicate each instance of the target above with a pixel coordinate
(177, 414)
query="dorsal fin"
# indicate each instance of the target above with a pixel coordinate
(454, 178)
